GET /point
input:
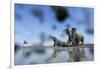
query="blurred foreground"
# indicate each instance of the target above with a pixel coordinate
(47, 54)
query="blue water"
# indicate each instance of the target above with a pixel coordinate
(26, 56)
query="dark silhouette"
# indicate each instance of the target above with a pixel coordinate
(76, 37)
(60, 12)
(57, 43)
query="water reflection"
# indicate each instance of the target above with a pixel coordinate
(41, 55)
(34, 24)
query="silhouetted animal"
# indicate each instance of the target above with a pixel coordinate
(68, 32)
(57, 42)
(76, 37)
